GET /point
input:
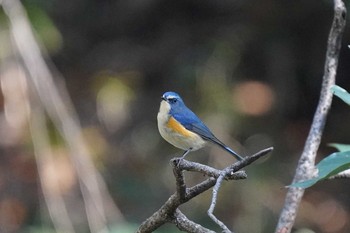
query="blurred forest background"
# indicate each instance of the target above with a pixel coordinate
(251, 70)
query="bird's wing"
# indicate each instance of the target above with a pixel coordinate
(192, 123)
(206, 134)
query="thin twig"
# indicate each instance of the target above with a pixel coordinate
(169, 209)
(60, 110)
(43, 154)
(204, 169)
(213, 204)
(17, 96)
(341, 175)
(184, 224)
(306, 165)
(226, 173)
(195, 167)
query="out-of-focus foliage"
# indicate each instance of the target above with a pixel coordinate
(43, 25)
(329, 166)
(336, 162)
(251, 70)
(341, 93)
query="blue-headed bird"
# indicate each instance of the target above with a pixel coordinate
(179, 126)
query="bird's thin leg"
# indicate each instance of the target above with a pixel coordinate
(183, 156)
(185, 153)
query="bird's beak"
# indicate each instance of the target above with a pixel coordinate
(163, 98)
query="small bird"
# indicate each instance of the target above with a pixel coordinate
(179, 126)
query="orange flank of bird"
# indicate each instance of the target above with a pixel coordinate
(177, 127)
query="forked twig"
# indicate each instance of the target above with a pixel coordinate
(224, 173)
(213, 204)
(169, 211)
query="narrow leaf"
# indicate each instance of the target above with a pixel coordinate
(340, 147)
(329, 166)
(341, 93)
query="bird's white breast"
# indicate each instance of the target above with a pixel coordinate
(189, 141)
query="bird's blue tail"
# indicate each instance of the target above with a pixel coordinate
(237, 156)
(223, 146)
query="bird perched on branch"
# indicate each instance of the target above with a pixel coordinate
(179, 126)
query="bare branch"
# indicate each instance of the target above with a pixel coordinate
(169, 212)
(180, 183)
(204, 169)
(341, 175)
(166, 212)
(160, 216)
(306, 165)
(184, 224)
(59, 108)
(248, 160)
(226, 173)
(209, 171)
(195, 167)
(213, 204)
(42, 150)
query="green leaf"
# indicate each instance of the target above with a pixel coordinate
(336, 162)
(329, 166)
(340, 147)
(341, 93)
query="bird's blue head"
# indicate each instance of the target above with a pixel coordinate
(172, 102)
(172, 98)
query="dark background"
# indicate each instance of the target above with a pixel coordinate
(251, 70)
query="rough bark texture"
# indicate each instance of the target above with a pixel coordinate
(169, 212)
(306, 165)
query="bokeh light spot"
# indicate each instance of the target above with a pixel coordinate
(253, 98)
(12, 214)
(58, 175)
(113, 103)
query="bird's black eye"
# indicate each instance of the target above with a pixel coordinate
(172, 100)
